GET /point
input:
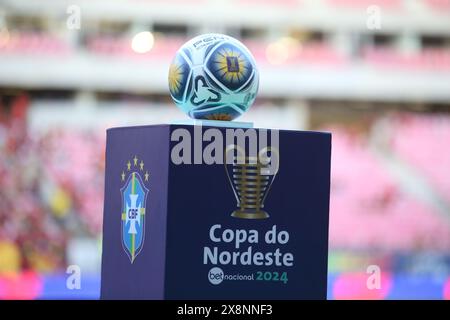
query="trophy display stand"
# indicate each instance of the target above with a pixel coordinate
(191, 214)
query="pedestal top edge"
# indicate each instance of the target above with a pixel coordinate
(208, 126)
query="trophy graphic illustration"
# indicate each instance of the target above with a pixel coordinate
(251, 179)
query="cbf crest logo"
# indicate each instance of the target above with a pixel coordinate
(134, 197)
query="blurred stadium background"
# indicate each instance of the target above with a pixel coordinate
(383, 93)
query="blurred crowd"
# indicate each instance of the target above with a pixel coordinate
(370, 208)
(50, 191)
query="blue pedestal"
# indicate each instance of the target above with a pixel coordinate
(214, 231)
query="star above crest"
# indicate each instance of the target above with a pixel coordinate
(134, 165)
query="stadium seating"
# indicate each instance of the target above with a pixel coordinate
(428, 59)
(367, 207)
(438, 5)
(420, 140)
(297, 53)
(385, 4)
(28, 43)
(59, 175)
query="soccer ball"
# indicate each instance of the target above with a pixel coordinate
(213, 77)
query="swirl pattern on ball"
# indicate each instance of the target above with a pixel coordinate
(214, 77)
